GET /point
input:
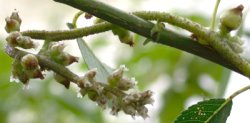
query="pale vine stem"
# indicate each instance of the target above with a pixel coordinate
(213, 19)
(143, 27)
(74, 21)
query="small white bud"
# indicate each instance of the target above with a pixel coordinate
(124, 68)
(14, 79)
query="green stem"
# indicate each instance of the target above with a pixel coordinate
(143, 28)
(213, 20)
(74, 21)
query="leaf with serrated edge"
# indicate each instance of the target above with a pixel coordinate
(208, 111)
(103, 71)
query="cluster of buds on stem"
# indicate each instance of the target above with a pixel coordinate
(26, 69)
(232, 18)
(116, 92)
(55, 52)
(135, 103)
(16, 39)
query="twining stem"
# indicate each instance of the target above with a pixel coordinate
(213, 19)
(74, 21)
(67, 34)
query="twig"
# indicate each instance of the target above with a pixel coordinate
(239, 92)
(143, 27)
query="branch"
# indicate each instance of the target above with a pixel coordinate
(223, 54)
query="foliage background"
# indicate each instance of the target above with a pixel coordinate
(178, 79)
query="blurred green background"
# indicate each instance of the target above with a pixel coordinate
(177, 79)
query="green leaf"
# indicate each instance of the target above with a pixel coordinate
(103, 71)
(208, 111)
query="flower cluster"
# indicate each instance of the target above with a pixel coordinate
(26, 69)
(56, 53)
(115, 93)
(16, 39)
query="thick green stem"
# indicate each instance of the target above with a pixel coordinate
(143, 27)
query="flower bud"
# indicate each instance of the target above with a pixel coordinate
(12, 38)
(56, 48)
(11, 25)
(36, 73)
(13, 22)
(69, 59)
(16, 39)
(126, 84)
(60, 79)
(142, 111)
(83, 92)
(115, 109)
(129, 109)
(116, 76)
(124, 35)
(25, 42)
(90, 75)
(15, 16)
(19, 72)
(93, 95)
(56, 54)
(31, 66)
(88, 16)
(232, 18)
(102, 101)
(29, 62)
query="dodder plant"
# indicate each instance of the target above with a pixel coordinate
(110, 88)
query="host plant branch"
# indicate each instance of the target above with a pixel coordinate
(170, 39)
(143, 27)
